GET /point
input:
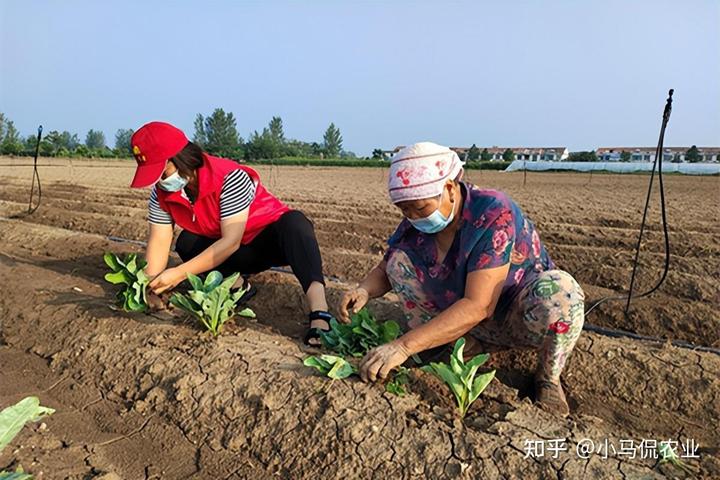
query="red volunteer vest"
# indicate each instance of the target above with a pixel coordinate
(203, 217)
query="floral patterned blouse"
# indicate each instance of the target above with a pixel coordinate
(493, 232)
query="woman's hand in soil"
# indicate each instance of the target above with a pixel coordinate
(167, 280)
(353, 301)
(155, 302)
(381, 360)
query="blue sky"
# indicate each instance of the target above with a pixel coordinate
(576, 73)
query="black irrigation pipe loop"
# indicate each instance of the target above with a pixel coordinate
(36, 177)
(657, 163)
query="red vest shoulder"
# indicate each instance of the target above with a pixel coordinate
(203, 217)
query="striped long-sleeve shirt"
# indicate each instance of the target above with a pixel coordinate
(238, 192)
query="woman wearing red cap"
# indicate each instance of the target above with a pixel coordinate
(229, 221)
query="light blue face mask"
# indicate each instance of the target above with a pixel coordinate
(434, 222)
(173, 183)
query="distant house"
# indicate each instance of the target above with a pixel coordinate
(647, 154)
(532, 154)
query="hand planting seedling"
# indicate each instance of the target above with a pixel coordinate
(460, 376)
(331, 366)
(130, 273)
(398, 384)
(360, 335)
(211, 301)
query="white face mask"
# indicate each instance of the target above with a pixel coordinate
(435, 222)
(173, 183)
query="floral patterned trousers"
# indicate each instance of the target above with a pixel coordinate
(546, 315)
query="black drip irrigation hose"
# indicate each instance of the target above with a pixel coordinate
(656, 164)
(35, 178)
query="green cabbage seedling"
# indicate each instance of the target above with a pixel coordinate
(211, 301)
(668, 454)
(18, 474)
(130, 273)
(398, 384)
(360, 335)
(460, 376)
(331, 366)
(13, 418)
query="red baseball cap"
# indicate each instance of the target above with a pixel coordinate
(153, 145)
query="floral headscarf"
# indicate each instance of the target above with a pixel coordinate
(421, 170)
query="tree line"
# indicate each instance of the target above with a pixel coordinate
(216, 133)
(692, 155)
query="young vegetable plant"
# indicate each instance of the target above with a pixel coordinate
(18, 474)
(212, 301)
(12, 420)
(398, 384)
(667, 454)
(360, 335)
(14, 417)
(128, 272)
(461, 376)
(331, 366)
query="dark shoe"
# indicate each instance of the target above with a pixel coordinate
(551, 397)
(251, 292)
(313, 333)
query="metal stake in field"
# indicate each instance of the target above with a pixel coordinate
(36, 176)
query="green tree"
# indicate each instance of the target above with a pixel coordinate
(582, 157)
(485, 155)
(59, 143)
(47, 149)
(625, 156)
(332, 141)
(297, 148)
(474, 153)
(95, 140)
(3, 126)
(220, 134)
(11, 143)
(82, 151)
(261, 145)
(275, 128)
(508, 155)
(693, 155)
(122, 141)
(51, 143)
(377, 154)
(199, 137)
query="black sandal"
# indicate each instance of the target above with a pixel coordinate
(314, 332)
(252, 291)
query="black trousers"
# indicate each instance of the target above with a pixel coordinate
(289, 241)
